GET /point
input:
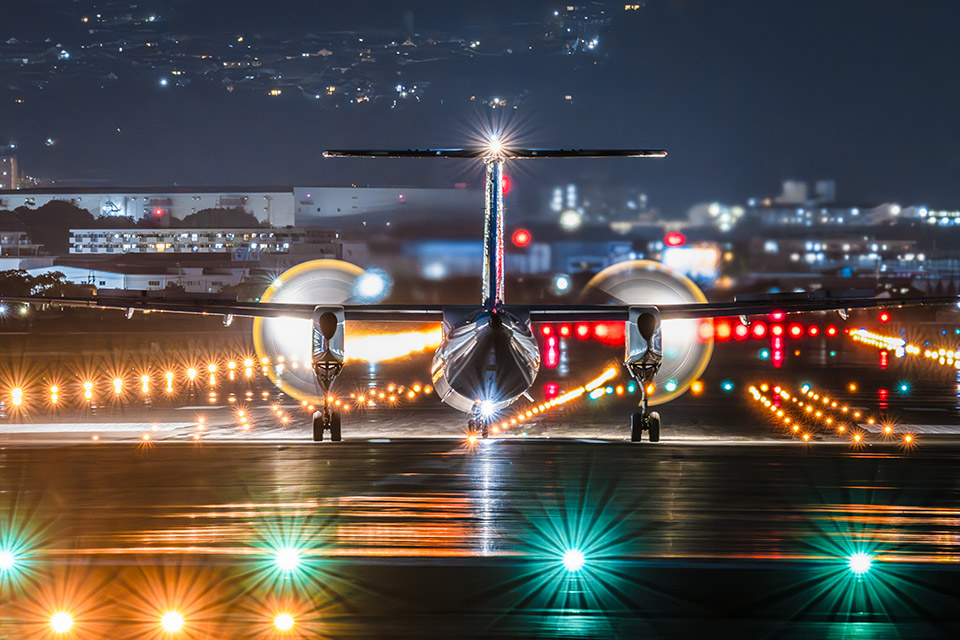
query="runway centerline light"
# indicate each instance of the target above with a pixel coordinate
(283, 622)
(859, 563)
(573, 560)
(171, 621)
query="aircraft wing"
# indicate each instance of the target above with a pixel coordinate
(786, 303)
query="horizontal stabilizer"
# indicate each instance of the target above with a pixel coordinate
(505, 153)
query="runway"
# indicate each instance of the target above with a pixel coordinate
(218, 507)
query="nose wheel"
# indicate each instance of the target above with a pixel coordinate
(479, 426)
(323, 420)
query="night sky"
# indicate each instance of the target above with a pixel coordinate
(743, 94)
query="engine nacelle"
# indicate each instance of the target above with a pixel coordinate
(643, 353)
(327, 350)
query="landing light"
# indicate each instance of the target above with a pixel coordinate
(573, 560)
(859, 563)
(487, 408)
(7, 560)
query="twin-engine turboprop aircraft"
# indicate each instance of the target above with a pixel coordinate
(489, 357)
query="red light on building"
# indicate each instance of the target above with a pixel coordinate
(776, 330)
(521, 237)
(583, 330)
(505, 181)
(741, 332)
(758, 329)
(722, 330)
(674, 239)
(565, 330)
(813, 330)
(884, 316)
(778, 316)
(832, 330)
(546, 330)
(796, 330)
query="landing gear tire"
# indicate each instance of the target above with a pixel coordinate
(335, 426)
(636, 427)
(484, 429)
(653, 426)
(318, 427)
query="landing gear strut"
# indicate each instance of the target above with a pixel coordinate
(644, 354)
(643, 420)
(327, 363)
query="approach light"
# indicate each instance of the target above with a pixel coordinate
(287, 559)
(191, 374)
(860, 563)
(283, 622)
(573, 560)
(171, 621)
(61, 622)
(16, 396)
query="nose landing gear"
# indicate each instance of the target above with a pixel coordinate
(323, 420)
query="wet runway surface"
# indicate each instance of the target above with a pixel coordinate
(438, 538)
(135, 510)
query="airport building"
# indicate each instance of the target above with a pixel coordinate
(245, 244)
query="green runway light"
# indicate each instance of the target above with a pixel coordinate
(573, 560)
(287, 559)
(727, 385)
(860, 563)
(7, 560)
(904, 387)
(764, 354)
(670, 386)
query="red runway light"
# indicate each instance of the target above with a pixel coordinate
(832, 330)
(777, 316)
(565, 330)
(758, 329)
(674, 239)
(776, 330)
(546, 330)
(551, 390)
(583, 330)
(505, 181)
(796, 330)
(705, 331)
(521, 237)
(741, 332)
(884, 316)
(813, 330)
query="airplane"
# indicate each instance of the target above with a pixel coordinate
(488, 357)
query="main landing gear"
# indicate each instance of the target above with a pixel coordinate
(323, 420)
(644, 420)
